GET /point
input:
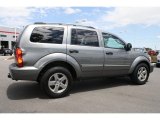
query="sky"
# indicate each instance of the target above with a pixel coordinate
(139, 26)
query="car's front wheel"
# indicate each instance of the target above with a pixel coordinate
(56, 82)
(140, 74)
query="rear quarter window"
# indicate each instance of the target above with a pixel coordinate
(47, 35)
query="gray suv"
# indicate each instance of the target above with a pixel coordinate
(55, 55)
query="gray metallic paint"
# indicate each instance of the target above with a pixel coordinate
(25, 73)
(136, 61)
(89, 62)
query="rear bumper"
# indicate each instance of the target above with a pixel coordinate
(151, 67)
(24, 73)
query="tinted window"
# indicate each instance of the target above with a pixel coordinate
(47, 35)
(112, 41)
(3, 35)
(84, 37)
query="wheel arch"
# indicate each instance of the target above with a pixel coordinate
(58, 59)
(137, 61)
(60, 64)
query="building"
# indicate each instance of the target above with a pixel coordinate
(8, 37)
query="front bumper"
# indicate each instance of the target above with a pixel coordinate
(24, 73)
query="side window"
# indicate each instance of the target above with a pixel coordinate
(47, 35)
(84, 37)
(111, 41)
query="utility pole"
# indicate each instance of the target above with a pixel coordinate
(155, 47)
(15, 33)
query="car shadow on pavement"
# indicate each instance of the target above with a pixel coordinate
(97, 84)
(24, 90)
(30, 90)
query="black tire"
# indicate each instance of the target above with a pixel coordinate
(134, 75)
(50, 73)
(4, 54)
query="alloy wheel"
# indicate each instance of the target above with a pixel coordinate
(58, 83)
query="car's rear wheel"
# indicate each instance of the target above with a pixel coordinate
(140, 74)
(56, 82)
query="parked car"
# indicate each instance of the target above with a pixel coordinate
(140, 49)
(6, 51)
(158, 58)
(153, 56)
(58, 54)
(149, 51)
(144, 50)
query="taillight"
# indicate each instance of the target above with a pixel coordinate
(151, 52)
(19, 57)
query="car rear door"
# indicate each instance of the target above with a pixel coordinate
(84, 46)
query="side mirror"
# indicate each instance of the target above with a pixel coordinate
(128, 46)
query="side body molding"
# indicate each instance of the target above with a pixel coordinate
(137, 61)
(40, 64)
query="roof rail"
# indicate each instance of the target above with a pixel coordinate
(49, 23)
(39, 23)
(82, 26)
(65, 24)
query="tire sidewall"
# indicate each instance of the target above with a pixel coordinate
(48, 74)
(134, 76)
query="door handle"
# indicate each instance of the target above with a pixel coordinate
(109, 53)
(73, 51)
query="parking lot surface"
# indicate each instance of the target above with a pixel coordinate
(112, 95)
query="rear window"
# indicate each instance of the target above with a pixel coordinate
(47, 35)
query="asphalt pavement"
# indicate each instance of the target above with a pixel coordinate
(116, 95)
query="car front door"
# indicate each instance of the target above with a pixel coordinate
(84, 47)
(117, 60)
